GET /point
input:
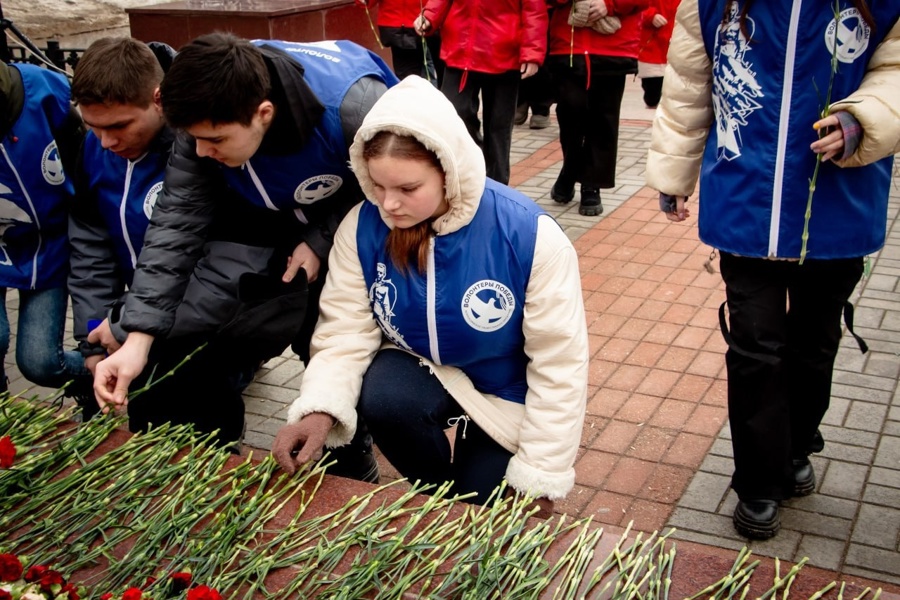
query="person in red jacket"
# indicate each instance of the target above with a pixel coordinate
(396, 31)
(593, 46)
(657, 23)
(488, 47)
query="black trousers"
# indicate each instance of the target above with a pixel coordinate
(785, 324)
(204, 392)
(406, 410)
(652, 87)
(498, 99)
(536, 92)
(415, 61)
(588, 126)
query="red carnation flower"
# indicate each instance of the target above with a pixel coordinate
(106, 596)
(4, 595)
(132, 594)
(71, 592)
(7, 452)
(35, 572)
(50, 578)
(203, 592)
(180, 581)
(10, 567)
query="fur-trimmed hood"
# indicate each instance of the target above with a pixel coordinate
(415, 107)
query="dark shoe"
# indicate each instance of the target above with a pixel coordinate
(521, 114)
(804, 477)
(757, 519)
(356, 460)
(539, 121)
(562, 193)
(590, 202)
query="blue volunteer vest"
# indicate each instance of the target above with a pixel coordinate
(467, 311)
(34, 189)
(767, 94)
(126, 192)
(320, 168)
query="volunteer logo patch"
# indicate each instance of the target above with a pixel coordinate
(151, 198)
(51, 165)
(317, 188)
(488, 305)
(848, 36)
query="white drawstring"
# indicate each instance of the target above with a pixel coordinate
(456, 420)
(422, 364)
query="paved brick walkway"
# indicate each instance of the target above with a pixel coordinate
(655, 448)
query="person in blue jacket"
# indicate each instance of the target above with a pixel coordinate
(759, 97)
(272, 122)
(39, 136)
(118, 178)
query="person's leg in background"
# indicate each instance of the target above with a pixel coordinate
(40, 338)
(758, 403)
(817, 293)
(540, 97)
(652, 87)
(407, 61)
(465, 100)
(572, 114)
(601, 141)
(498, 96)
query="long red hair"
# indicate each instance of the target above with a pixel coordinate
(409, 246)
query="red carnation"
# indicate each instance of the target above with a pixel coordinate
(4, 595)
(106, 596)
(71, 592)
(50, 578)
(7, 452)
(180, 581)
(10, 567)
(35, 572)
(132, 594)
(203, 592)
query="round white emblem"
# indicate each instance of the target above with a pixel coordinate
(487, 305)
(316, 188)
(848, 36)
(151, 198)
(51, 165)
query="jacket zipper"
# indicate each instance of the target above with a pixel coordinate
(122, 220)
(783, 123)
(37, 222)
(259, 186)
(430, 306)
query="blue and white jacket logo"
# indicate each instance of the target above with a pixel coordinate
(151, 198)
(488, 305)
(383, 297)
(317, 188)
(735, 86)
(51, 165)
(852, 33)
(10, 216)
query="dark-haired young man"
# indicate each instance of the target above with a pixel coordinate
(119, 176)
(273, 121)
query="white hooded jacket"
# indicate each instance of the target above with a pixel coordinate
(544, 433)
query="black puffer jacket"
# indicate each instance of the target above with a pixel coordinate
(183, 224)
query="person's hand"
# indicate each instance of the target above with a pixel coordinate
(90, 363)
(299, 443)
(659, 21)
(681, 212)
(528, 69)
(422, 25)
(114, 374)
(302, 257)
(831, 142)
(596, 10)
(102, 334)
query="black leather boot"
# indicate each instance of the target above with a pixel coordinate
(804, 477)
(590, 202)
(757, 519)
(562, 192)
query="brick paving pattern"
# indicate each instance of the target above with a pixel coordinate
(655, 448)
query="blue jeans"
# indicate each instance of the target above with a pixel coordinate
(39, 340)
(406, 410)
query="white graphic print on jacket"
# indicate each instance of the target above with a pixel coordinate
(852, 35)
(383, 296)
(735, 88)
